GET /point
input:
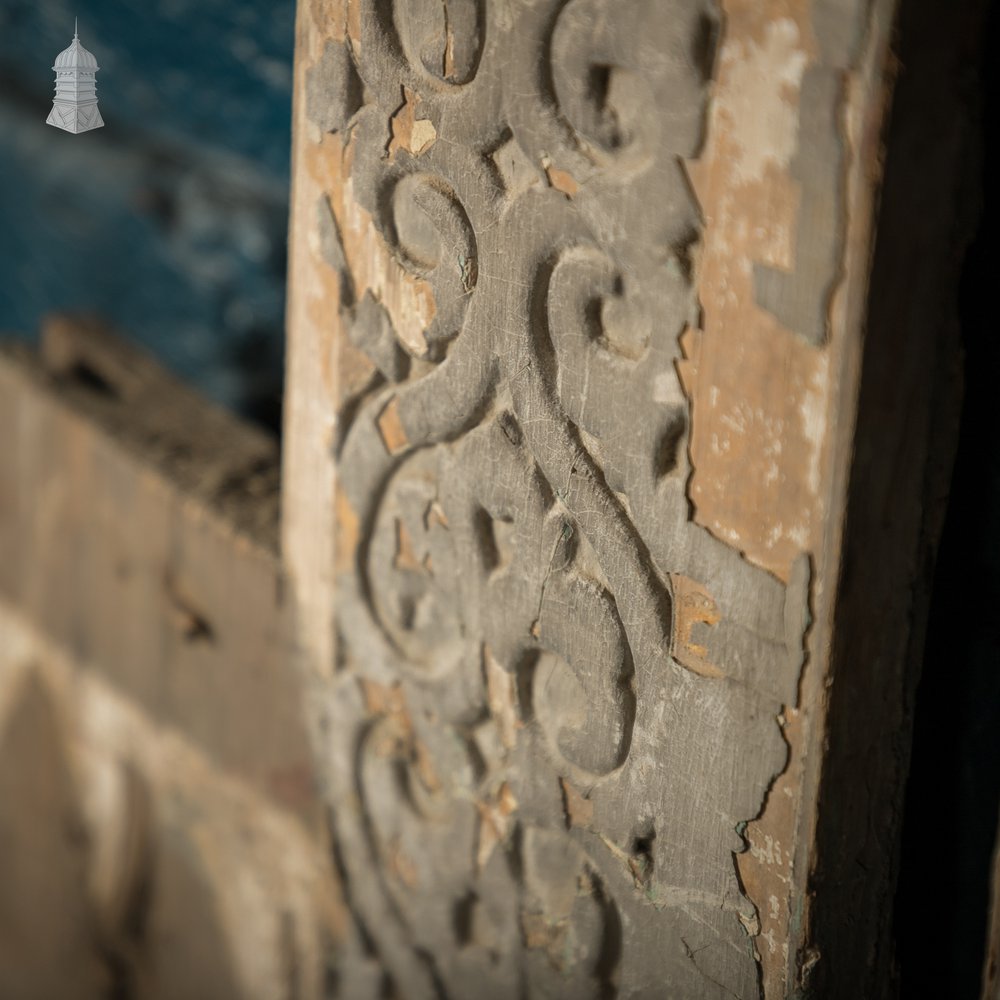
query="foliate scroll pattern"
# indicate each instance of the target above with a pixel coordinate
(567, 691)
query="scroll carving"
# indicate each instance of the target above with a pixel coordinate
(555, 695)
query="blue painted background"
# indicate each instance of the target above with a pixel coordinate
(171, 221)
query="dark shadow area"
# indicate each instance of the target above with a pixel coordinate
(899, 610)
(950, 813)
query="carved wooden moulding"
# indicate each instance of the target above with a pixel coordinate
(554, 699)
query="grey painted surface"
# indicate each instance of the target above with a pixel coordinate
(537, 790)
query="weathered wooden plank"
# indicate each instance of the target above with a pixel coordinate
(132, 864)
(578, 293)
(138, 528)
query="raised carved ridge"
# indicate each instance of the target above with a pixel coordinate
(555, 696)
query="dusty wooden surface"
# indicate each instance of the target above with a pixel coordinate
(158, 808)
(132, 864)
(575, 346)
(138, 529)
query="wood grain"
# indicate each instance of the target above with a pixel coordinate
(612, 467)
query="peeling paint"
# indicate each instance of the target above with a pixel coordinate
(750, 201)
(693, 606)
(501, 695)
(415, 135)
(561, 180)
(579, 809)
(759, 107)
(391, 429)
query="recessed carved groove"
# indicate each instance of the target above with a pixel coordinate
(444, 38)
(705, 45)
(667, 455)
(493, 535)
(463, 915)
(642, 861)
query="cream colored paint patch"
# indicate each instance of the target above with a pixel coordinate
(759, 100)
(813, 412)
(422, 136)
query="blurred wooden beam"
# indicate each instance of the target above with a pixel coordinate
(138, 529)
(132, 863)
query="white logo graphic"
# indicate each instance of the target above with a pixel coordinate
(75, 106)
